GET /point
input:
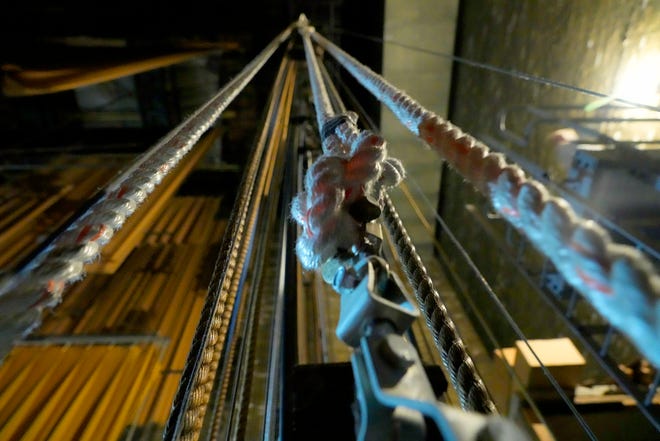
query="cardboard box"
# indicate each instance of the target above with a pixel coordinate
(502, 389)
(558, 355)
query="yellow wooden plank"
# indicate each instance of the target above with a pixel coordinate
(107, 407)
(190, 221)
(11, 205)
(200, 229)
(26, 381)
(152, 397)
(171, 318)
(163, 259)
(87, 361)
(20, 246)
(164, 404)
(26, 410)
(182, 211)
(157, 229)
(29, 216)
(139, 260)
(15, 362)
(183, 343)
(105, 301)
(135, 385)
(13, 216)
(218, 231)
(113, 319)
(78, 412)
(151, 388)
(176, 331)
(144, 308)
(9, 399)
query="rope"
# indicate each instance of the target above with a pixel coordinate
(616, 279)
(343, 183)
(42, 283)
(191, 400)
(322, 179)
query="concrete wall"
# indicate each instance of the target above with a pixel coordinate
(431, 25)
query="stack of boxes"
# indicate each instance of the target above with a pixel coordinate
(520, 367)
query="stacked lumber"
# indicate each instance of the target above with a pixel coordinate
(74, 392)
(158, 291)
(35, 205)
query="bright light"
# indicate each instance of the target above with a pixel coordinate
(639, 82)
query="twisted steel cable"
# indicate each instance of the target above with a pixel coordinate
(462, 372)
(192, 396)
(617, 279)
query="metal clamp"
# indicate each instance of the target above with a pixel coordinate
(370, 292)
(394, 394)
(389, 376)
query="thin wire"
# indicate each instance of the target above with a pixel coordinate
(472, 305)
(484, 282)
(353, 99)
(510, 72)
(514, 326)
(489, 289)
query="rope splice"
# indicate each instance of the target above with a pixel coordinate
(343, 186)
(618, 280)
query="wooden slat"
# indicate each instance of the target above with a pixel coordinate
(106, 410)
(183, 343)
(112, 318)
(183, 210)
(28, 381)
(45, 385)
(164, 403)
(137, 225)
(20, 246)
(95, 316)
(104, 389)
(16, 211)
(153, 237)
(27, 217)
(82, 406)
(137, 383)
(191, 218)
(60, 400)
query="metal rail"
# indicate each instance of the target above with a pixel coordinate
(191, 399)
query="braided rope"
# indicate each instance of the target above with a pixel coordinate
(354, 164)
(42, 283)
(351, 161)
(618, 280)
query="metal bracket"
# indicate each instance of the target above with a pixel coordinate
(396, 379)
(394, 395)
(369, 291)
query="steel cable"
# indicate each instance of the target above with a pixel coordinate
(616, 279)
(42, 283)
(190, 402)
